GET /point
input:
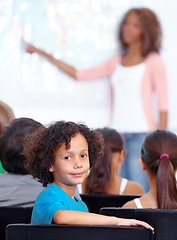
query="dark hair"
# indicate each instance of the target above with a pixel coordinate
(163, 167)
(11, 144)
(40, 147)
(100, 173)
(6, 115)
(152, 32)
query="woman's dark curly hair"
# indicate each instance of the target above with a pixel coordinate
(40, 147)
(100, 174)
(152, 32)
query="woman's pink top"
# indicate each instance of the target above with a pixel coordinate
(153, 80)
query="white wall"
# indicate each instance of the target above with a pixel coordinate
(81, 33)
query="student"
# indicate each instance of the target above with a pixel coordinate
(60, 156)
(17, 187)
(103, 177)
(159, 160)
(136, 76)
(6, 116)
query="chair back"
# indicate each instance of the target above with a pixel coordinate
(164, 221)
(70, 232)
(95, 202)
(13, 215)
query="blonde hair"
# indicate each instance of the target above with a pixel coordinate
(6, 115)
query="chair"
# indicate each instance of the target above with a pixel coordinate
(13, 215)
(95, 202)
(164, 221)
(70, 232)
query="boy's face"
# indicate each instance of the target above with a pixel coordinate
(71, 166)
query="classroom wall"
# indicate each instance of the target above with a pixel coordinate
(82, 34)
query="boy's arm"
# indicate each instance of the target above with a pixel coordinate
(63, 217)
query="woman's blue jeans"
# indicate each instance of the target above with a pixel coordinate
(131, 168)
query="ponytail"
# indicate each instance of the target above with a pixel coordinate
(159, 153)
(166, 185)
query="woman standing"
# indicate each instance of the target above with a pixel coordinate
(135, 76)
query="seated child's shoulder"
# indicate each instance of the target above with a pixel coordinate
(134, 188)
(130, 204)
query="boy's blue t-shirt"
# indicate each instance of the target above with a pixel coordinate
(52, 199)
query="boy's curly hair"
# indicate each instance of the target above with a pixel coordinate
(40, 147)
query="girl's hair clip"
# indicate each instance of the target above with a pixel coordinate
(164, 155)
(145, 151)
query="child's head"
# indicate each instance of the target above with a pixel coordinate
(6, 115)
(159, 154)
(100, 174)
(150, 26)
(44, 148)
(12, 141)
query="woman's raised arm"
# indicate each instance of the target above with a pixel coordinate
(64, 67)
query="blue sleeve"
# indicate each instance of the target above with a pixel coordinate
(43, 213)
